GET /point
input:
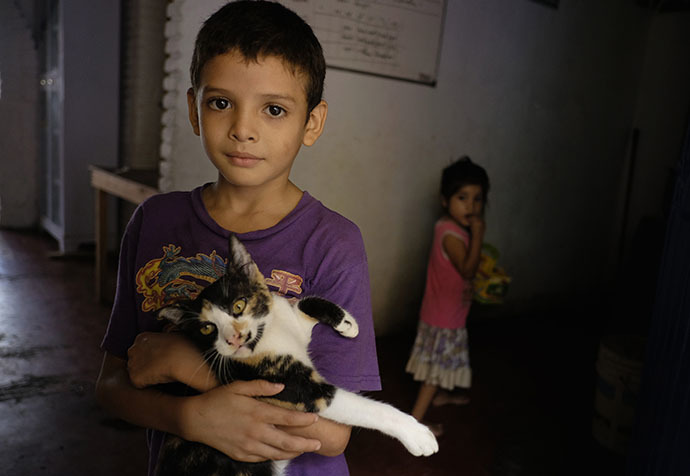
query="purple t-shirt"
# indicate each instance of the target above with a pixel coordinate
(172, 249)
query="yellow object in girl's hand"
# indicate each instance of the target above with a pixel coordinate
(491, 281)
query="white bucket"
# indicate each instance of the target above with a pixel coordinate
(619, 369)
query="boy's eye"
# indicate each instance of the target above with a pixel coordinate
(219, 104)
(275, 111)
(238, 306)
(208, 329)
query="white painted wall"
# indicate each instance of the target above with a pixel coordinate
(543, 98)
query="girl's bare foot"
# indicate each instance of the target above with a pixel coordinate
(436, 428)
(447, 398)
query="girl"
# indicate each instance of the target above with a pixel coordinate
(439, 357)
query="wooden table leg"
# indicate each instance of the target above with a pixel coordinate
(135, 186)
(101, 243)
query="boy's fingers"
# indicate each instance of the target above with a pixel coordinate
(297, 444)
(270, 413)
(256, 388)
(284, 417)
(277, 444)
(266, 452)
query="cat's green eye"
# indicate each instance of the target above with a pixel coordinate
(207, 329)
(238, 306)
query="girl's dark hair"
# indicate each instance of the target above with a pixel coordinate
(258, 28)
(463, 172)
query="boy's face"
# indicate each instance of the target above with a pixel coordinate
(251, 118)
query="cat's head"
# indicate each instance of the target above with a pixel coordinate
(229, 315)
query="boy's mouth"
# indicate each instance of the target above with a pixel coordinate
(243, 159)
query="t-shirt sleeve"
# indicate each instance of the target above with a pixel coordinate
(450, 228)
(344, 279)
(123, 326)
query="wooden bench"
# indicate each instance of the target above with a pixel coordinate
(133, 185)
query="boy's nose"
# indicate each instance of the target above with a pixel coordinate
(242, 129)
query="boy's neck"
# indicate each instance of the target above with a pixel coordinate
(241, 209)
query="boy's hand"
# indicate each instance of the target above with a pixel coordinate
(162, 358)
(230, 420)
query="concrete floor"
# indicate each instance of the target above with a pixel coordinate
(531, 409)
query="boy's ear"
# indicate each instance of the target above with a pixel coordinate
(193, 111)
(315, 123)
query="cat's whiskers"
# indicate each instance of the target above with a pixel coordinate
(227, 376)
(218, 364)
(220, 368)
(206, 360)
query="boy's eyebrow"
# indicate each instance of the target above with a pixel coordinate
(279, 97)
(267, 96)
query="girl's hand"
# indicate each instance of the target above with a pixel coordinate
(229, 419)
(156, 358)
(477, 226)
(467, 293)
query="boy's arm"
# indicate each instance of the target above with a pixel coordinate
(227, 418)
(333, 436)
(157, 357)
(168, 357)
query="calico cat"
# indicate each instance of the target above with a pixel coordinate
(245, 332)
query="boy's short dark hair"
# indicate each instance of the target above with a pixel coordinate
(463, 172)
(258, 28)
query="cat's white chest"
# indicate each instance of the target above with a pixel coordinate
(287, 333)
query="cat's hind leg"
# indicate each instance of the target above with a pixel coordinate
(330, 314)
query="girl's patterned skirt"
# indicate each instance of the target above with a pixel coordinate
(440, 357)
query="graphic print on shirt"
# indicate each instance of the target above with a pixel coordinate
(285, 282)
(166, 280)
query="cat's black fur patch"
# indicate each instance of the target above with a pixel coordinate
(228, 287)
(322, 310)
(300, 386)
(192, 459)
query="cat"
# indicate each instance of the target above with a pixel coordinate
(246, 332)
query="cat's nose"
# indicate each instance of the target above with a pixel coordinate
(236, 339)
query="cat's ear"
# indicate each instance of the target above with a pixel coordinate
(171, 313)
(242, 260)
(238, 253)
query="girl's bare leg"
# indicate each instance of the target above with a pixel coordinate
(424, 398)
(444, 397)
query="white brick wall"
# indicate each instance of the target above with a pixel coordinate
(183, 164)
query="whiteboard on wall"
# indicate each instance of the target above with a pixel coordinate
(392, 38)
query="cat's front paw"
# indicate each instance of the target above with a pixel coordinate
(348, 326)
(419, 440)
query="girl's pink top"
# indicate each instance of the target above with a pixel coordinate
(447, 295)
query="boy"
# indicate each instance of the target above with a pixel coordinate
(257, 79)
